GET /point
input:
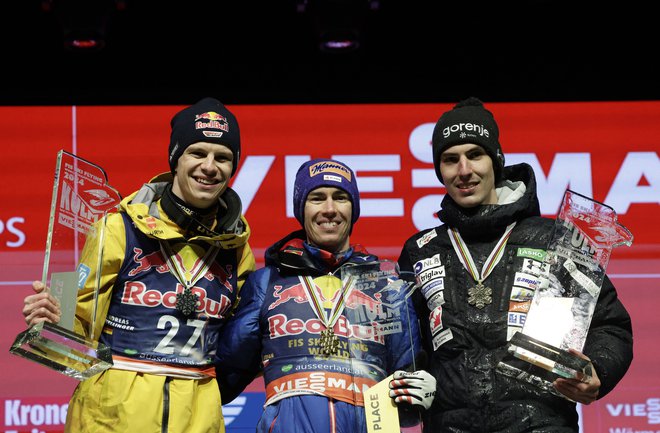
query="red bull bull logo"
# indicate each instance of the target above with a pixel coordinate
(221, 275)
(211, 115)
(147, 262)
(296, 293)
(367, 308)
(211, 120)
(358, 297)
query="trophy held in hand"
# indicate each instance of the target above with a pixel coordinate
(80, 202)
(562, 306)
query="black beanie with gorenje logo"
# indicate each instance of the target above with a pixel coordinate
(468, 122)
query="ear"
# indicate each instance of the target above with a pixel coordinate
(500, 156)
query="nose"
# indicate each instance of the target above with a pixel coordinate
(208, 164)
(329, 206)
(464, 167)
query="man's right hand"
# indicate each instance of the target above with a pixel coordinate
(42, 306)
(416, 388)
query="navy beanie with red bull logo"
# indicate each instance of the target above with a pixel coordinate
(207, 120)
(324, 172)
(468, 122)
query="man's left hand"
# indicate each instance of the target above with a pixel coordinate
(576, 390)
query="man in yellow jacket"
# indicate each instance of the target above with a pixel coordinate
(175, 257)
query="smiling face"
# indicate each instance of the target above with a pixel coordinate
(327, 216)
(468, 175)
(202, 174)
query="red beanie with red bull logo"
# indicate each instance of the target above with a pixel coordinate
(207, 120)
(324, 172)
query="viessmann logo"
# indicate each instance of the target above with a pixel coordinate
(649, 409)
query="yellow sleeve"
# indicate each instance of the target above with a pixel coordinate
(101, 260)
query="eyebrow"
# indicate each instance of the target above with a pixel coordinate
(222, 151)
(477, 149)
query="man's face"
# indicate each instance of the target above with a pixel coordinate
(327, 217)
(468, 174)
(202, 174)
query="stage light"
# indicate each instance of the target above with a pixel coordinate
(339, 24)
(336, 40)
(83, 23)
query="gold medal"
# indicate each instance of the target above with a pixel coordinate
(329, 342)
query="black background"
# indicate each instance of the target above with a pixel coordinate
(265, 52)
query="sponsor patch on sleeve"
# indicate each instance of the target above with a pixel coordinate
(433, 287)
(532, 253)
(436, 300)
(427, 263)
(521, 294)
(519, 307)
(527, 281)
(435, 320)
(427, 276)
(442, 338)
(426, 238)
(516, 319)
(83, 274)
(536, 268)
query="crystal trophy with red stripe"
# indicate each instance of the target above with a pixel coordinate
(560, 312)
(81, 200)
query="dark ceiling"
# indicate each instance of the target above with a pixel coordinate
(161, 52)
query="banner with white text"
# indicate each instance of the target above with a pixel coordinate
(609, 151)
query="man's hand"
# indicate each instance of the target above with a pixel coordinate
(41, 307)
(576, 390)
(416, 388)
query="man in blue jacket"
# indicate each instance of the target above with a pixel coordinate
(318, 339)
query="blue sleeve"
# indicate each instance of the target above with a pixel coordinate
(238, 355)
(407, 344)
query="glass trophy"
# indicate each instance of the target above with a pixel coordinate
(80, 203)
(383, 337)
(569, 282)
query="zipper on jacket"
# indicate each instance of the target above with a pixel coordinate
(451, 289)
(166, 406)
(506, 284)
